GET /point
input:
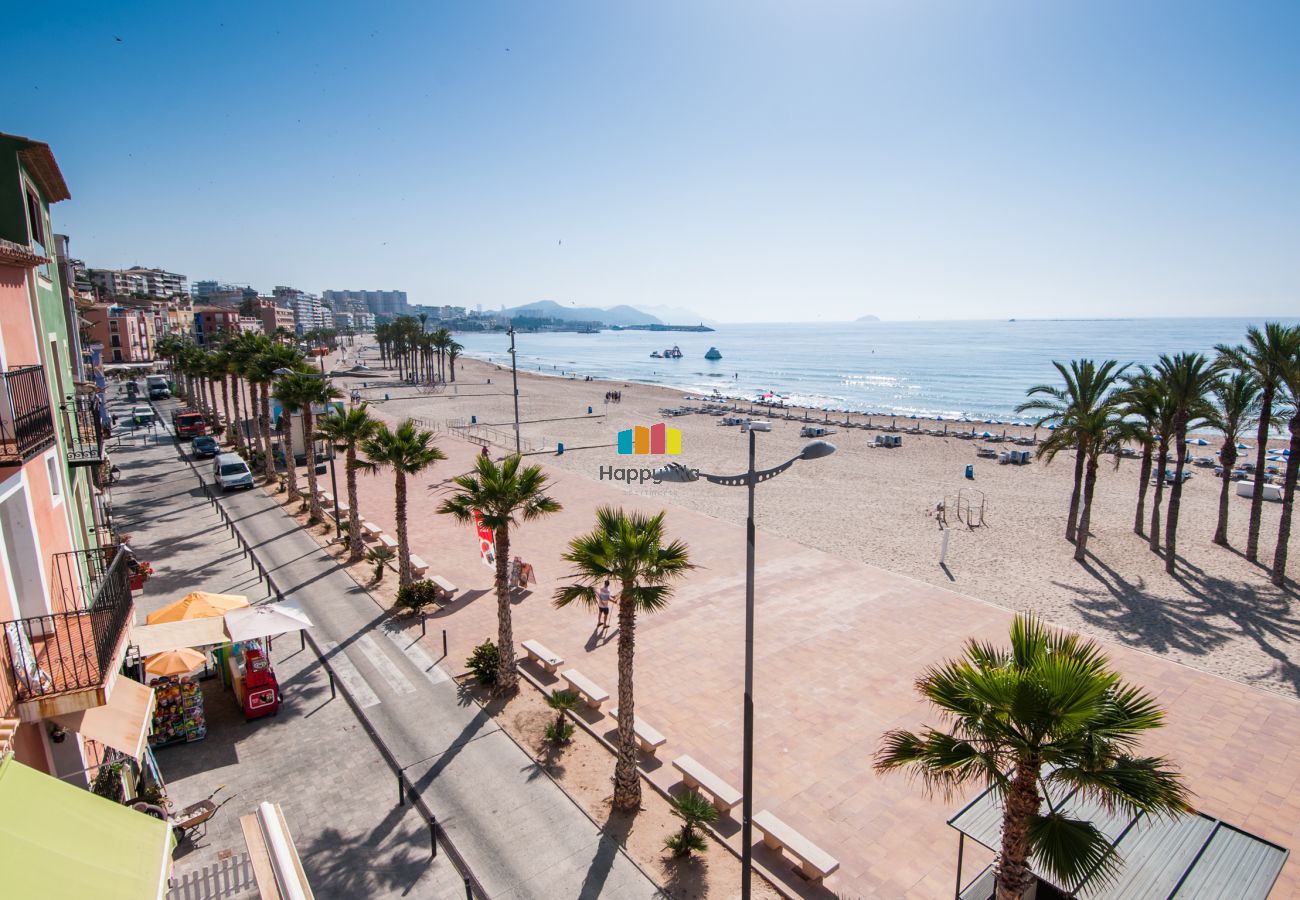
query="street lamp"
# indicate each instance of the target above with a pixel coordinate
(514, 379)
(676, 472)
(288, 457)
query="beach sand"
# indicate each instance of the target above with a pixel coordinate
(1218, 613)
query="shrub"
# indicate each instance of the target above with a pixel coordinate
(379, 557)
(694, 811)
(417, 595)
(559, 732)
(483, 663)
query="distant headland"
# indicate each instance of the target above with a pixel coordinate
(867, 319)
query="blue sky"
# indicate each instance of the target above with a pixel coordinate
(753, 161)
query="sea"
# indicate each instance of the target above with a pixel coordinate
(976, 369)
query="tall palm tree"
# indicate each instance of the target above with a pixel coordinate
(346, 432)
(276, 358)
(629, 550)
(1086, 387)
(1263, 356)
(1237, 404)
(441, 339)
(1189, 378)
(454, 350)
(299, 393)
(407, 451)
(1291, 379)
(1146, 414)
(502, 495)
(1101, 429)
(1048, 711)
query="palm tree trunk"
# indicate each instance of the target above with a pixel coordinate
(1021, 805)
(1071, 524)
(1227, 459)
(1261, 460)
(403, 548)
(356, 549)
(1162, 462)
(314, 513)
(627, 784)
(216, 417)
(507, 677)
(225, 405)
(1288, 503)
(1139, 519)
(238, 420)
(1175, 499)
(268, 464)
(1085, 516)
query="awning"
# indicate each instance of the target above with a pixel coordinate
(57, 840)
(122, 723)
(166, 636)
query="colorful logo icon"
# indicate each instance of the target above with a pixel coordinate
(657, 439)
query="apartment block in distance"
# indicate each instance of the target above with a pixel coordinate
(65, 598)
(381, 303)
(136, 281)
(126, 333)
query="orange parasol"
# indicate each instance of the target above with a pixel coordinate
(197, 605)
(174, 662)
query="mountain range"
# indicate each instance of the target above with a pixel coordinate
(613, 315)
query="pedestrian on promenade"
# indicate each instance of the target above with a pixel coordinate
(603, 598)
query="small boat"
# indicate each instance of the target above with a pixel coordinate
(674, 353)
(713, 354)
(656, 355)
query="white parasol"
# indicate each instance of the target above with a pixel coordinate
(268, 619)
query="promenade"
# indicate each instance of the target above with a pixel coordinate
(520, 835)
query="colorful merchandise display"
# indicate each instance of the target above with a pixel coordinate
(178, 711)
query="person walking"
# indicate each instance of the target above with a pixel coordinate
(603, 598)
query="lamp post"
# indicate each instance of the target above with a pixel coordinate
(288, 457)
(514, 380)
(676, 472)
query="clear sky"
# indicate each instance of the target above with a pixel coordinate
(750, 160)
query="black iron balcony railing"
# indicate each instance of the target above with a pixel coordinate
(73, 650)
(26, 426)
(83, 428)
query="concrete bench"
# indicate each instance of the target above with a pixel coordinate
(326, 498)
(389, 542)
(370, 530)
(443, 585)
(547, 658)
(418, 566)
(647, 737)
(592, 693)
(814, 862)
(725, 797)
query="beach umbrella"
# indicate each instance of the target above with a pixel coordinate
(197, 605)
(1243, 447)
(1051, 427)
(175, 662)
(249, 622)
(986, 434)
(1198, 442)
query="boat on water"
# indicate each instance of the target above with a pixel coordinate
(713, 354)
(656, 355)
(673, 352)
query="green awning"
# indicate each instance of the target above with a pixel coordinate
(57, 840)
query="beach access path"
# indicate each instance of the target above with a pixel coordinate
(521, 836)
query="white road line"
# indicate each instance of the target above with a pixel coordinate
(410, 646)
(348, 674)
(387, 668)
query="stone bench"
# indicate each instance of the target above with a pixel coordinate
(647, 737)
(389, 542)
(814, 862)
(547, 658)
(418, 566)
(326, 498)
(370, 530)
(697, 777)
(591, 692)
(443, 585)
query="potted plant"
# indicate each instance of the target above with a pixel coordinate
(142, 574)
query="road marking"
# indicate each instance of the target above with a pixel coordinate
(410, 646)
(348, 674)
(387, 668)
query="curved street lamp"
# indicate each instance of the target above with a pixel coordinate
(678, 473)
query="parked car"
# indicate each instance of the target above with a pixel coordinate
(231, 472)
(142, 416)
(206, 446)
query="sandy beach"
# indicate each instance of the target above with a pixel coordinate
(1218, 613)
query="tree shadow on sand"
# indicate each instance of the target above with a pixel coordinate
(1195, 625)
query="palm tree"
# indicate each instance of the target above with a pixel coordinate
(1048, 711)
(629, 550)
(1101, 429)
(441, 340)
(1237, 404)
(454, 350)
(1263, 355)
(407, 451)
(1143, 408)
(297, 393)
(501, 496)
(1291, 379)
(1189, 378)
(1086, 387)
(347, 431)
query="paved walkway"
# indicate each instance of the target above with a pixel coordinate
(521, 836)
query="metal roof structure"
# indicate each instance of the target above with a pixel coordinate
(1187, 857)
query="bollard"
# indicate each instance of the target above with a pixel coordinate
(433, 837)
(469, 891)
(401, 793)
(303, 636)
(333, 692)
(444, 642)
(424, 624)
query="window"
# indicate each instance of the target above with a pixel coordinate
(56, 484)
(112, 324)
(117, 356)
(35, 222)
(116, 341)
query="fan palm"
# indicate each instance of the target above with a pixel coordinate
(1087, 387)
(346, 431)
(1263, 355)
(628, 549)
(1188, 378)
(1236, 406)
(1291, 379)
(502, 495)
(408, 451)
(1048, 711)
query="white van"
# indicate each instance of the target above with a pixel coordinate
(230, 472)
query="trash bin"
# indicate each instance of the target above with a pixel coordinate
(473, 420)
(559, 449)
(588, 410)
(970, 473)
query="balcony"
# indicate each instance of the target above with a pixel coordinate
(61, 662)
(26, 426)
(83, 421)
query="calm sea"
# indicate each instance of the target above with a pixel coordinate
(979, 369)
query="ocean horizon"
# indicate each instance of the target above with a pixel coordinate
(974, 368)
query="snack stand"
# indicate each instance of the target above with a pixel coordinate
(178, 711)
(253, 679)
